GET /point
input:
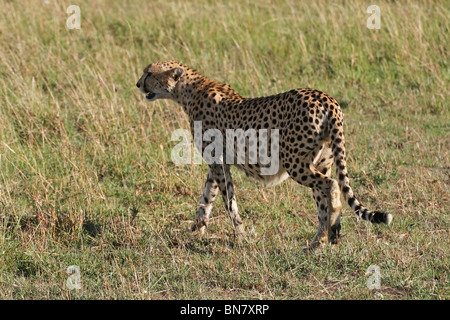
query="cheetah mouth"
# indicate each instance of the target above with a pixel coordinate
(150, 96)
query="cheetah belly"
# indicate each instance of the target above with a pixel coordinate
(265, 180)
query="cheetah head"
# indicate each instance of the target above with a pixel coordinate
(160, 79)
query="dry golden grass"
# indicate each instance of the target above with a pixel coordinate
(85, 171)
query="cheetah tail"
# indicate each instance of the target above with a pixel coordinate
(337, 146)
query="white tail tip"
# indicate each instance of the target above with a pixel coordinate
(389, 219)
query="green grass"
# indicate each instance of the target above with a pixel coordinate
(85, 171)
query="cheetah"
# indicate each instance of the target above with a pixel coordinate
(310, 140)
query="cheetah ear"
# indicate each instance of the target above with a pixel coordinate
(177, 73)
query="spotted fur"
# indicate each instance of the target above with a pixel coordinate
(311, 140)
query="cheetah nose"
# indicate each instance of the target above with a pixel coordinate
(138, 85)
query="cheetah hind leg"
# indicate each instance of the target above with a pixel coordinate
(321, 236)
(323, 163)
(327, 199)
(329, 216)
(335, 213)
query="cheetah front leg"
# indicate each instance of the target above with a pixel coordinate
(210, 192)
(222, 174)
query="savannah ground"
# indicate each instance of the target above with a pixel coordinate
(86, 177)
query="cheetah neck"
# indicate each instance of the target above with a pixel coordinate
(195, 89)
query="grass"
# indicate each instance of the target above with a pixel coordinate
(85, 171)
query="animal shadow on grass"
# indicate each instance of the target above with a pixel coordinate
(195, 244)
